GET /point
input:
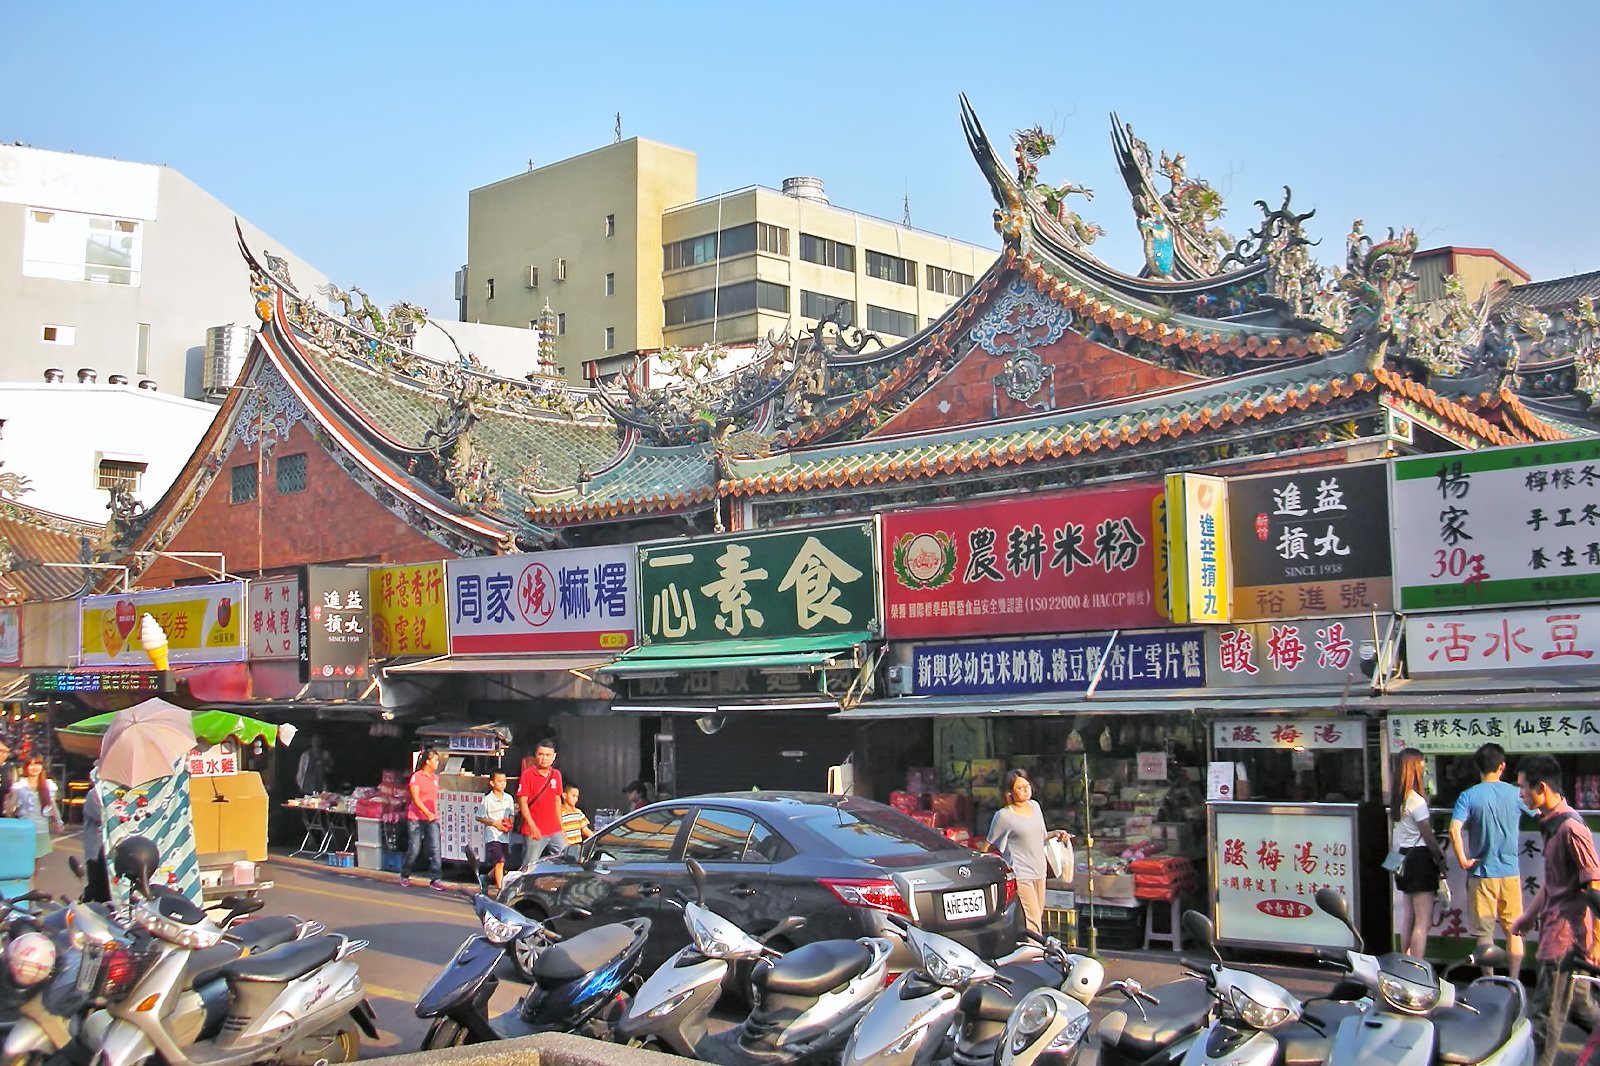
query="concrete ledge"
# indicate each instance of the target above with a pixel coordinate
(546, 1049)
(291, 862)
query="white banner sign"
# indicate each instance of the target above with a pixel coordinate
(1270, 860)
(1293, 734)
(1497, 526)
(576, 600)
(270, 622)
(459, 827)
(1480, 641)
(1519, 732)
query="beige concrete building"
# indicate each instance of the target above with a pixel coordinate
(616, 244)
(1479, 269)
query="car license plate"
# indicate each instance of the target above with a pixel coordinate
(959, 905)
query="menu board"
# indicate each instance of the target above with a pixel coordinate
(459, 827)
(1268, 861)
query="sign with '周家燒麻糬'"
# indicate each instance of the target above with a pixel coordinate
(1499, 526)
(569, 601)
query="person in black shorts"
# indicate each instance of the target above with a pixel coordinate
(497, 812)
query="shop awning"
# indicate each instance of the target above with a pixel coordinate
(455, 664)
(773, 653)
(728, 705)
(1042, 706)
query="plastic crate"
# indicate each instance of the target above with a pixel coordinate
(1062, 923)
(369, 856)
(1116, 928)
(369, 831)
(393, 861)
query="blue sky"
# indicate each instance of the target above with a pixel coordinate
(352, 132)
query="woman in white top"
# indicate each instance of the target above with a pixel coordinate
(33, 796)
(1018, 833)
(1422, 859)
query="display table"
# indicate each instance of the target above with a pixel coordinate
(327, 829)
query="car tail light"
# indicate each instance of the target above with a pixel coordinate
(878, 895)
(1010, 892)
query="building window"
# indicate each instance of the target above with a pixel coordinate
(488, 287)
(611, 338)
(886, 320)
(243, 487)
(117, 473)
(291, 470)
(891, 268)
(691, 252)
(58, 334)
(561, 324)
(69, 246)
(773, 239)
(827, 253)
(729, 300)
(611, 284)
(611, 225)
(948, 282)
(820, 305)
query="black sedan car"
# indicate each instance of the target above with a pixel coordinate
(768, 855)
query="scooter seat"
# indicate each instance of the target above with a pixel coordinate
(207, 964)
(1464, 1037)
(585, 953)
(814, 969)
(287, 961)
(1183, 1009)
(993, 1002)
(1303, 1045)
(264, 933)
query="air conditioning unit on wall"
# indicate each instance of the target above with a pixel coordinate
(561, 270)
(533, 277)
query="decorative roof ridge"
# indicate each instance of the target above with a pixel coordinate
(1536, 425)
(1193, 334)
(583, 510)
(1056, 442)
(48, 521)
(616, 470)
(1452, 410)
(936, 343)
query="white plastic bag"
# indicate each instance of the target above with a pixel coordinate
(1059, 858)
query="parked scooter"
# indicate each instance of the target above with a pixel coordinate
(1413, 1018)
(458, 996)
(805, 1003)
(301, 1003)
(1152, 1028)
(1256, 1022)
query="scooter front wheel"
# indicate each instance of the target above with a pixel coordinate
(444, 1033)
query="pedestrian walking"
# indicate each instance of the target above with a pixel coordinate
(574, 823)
(637, 794)
(96, 880)
(539, 801)
(1483, 834)
(1416, 859)
(422, 820)
(1560, 907)
(1018, 833)
(33, 797)
(311, 774)
(497, 811)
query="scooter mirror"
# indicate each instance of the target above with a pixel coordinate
(697, 873)
(1199, 928)
(1491, 957)
(1332, 903)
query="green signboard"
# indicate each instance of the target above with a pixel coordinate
(803, 582)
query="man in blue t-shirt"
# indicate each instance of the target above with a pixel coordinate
(1489, 814)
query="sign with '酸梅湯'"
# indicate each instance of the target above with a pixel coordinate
(1497, 526)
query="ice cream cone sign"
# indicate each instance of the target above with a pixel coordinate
(154, 641)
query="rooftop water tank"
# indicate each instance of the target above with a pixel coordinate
(805, 189)
(226, 349)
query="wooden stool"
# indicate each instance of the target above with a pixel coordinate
(1173, 934)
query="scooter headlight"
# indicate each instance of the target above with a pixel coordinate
(1407, 995)
(1036, 1012)
(710, 940)
(952, 973)
(1257, 1015)
(1072, 1033)
(498, 932)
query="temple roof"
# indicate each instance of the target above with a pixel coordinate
(1554, 294)
(32, 537)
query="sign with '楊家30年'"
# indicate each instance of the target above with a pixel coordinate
(1497, 526)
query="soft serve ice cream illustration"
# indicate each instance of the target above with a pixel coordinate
(154, 641)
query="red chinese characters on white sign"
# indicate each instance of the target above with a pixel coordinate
(213, 763)
(1478, 641)
(1290, 733)
(1330, 648)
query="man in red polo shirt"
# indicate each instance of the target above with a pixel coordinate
(539, 801)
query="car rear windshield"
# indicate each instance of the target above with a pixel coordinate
(874, 833)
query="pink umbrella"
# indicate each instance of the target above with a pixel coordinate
(145, 742)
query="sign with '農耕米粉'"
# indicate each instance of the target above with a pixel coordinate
(1498, 526)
